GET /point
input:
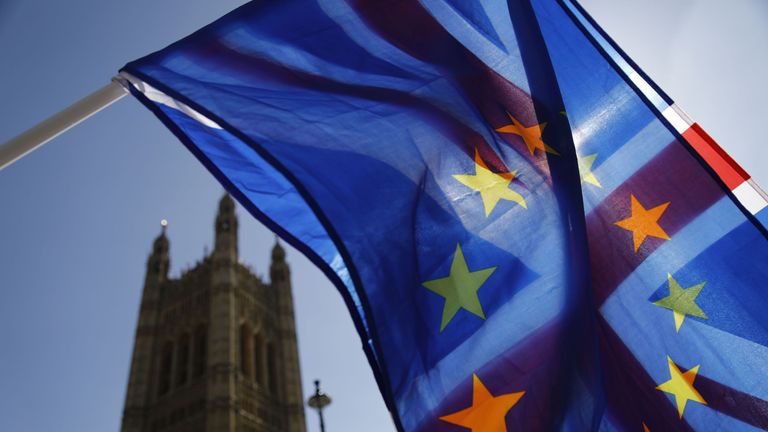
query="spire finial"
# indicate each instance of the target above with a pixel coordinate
(163, 225)
(226, 229)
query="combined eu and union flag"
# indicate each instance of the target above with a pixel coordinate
(528, 233)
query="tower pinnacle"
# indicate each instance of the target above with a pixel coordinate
(226, 229)
(159, 259)
(278, 270)
(278, 253)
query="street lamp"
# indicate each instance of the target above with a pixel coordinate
(318, 401)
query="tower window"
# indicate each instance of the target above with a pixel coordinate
(182, 360)
(245, 350)
(166, 363)
(271, 368)
(201, 351)
(258, 359)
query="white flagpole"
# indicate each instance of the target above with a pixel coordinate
(16, 148)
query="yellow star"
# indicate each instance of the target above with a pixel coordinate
(585, 168)
(492, 186)
(644, 222)
(460, 288)
(680, 385)
(531, 135)
(487, 411)
(682, 301)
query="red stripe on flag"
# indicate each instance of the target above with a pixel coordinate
(729, 171)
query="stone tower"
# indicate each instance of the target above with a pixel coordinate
(215, 349)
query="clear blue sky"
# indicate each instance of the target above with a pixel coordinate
(77, 217)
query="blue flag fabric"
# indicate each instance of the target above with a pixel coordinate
(523, 234)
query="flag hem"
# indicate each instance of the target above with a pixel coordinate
(643, 97)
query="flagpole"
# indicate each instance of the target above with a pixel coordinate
(16, 148)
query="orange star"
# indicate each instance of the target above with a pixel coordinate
(644, 223)
(531, 135)
(487, 412)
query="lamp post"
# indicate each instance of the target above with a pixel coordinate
(318, 401)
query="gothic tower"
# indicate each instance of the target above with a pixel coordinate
(215, 349)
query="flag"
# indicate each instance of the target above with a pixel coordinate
(528, 233)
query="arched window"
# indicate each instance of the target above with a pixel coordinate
(245, 350)
(182, 360)
(258, 359)
(201, 350)
(272, 368)
(166, 364)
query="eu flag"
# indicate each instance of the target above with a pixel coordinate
(528, 233)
